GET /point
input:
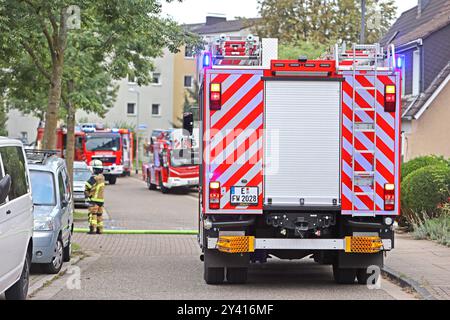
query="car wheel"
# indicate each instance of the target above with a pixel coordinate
(67, 252)
(55, 266)
(112, 180)
(19, 291)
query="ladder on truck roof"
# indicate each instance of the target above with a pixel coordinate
(370, 59)
(236, 51)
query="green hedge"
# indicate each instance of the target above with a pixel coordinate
(425, 190)
(420, 162)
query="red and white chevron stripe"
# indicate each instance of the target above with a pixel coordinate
(374, 149)
(234, 136)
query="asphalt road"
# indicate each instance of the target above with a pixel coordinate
(168, 267)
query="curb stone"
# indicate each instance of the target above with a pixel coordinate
(406, 282)
(33, 289)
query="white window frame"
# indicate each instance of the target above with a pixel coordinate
(192, 81)
(416, 73)
(135, 110)
(191, 57)
(159, 83)
(159, 110)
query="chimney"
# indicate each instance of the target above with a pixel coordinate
(213, 19)
(421, 4)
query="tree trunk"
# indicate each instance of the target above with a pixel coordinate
(70, 148)
(51, 116)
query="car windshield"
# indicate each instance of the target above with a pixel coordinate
(103, 143)
(81, 175)
(43, 188)
(184, 157)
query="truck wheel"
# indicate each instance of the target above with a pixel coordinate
(112, 180)
(363, 277)
(237, 275)
(214, 275)
(150, 185)
(19, 291)
(161, 186)
(344, 276)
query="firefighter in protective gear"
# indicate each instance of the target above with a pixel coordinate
(94, 190)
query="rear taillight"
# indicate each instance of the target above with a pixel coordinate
(390, 98)
(215, 99)
(389, 197)
(214, 195)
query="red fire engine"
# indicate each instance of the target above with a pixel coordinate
(175, 159)
(300, 158)
(114, 147)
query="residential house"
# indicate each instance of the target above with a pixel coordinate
(421, 36)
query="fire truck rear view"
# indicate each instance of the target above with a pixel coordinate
(301, 158)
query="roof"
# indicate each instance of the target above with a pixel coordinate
(51, 164)
(410, 26)
(8, 141)
(412, 107)
(223, 26)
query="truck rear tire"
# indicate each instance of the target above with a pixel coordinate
(344, 275)
(112, 180)
(214, 275)
(19, 291)
(237, 275)
(161, 186)
(150, 185)
(363, 277)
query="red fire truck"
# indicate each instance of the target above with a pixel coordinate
(300, 158)
(175, 159)
(114, 147)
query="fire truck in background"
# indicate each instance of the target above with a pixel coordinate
(114, 147)
(300, 158)
(174, 161)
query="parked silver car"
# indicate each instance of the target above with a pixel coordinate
(53, 210)
(81, 174)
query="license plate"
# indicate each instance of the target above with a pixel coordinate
(244, 196)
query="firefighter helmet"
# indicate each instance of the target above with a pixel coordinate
(96, 164)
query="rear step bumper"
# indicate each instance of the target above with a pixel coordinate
(302, 244)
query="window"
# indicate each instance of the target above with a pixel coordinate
(156, 110)
(131, 108)
(61, 187)
(14, 165)
(188, 81)
(156, 79)
(43, 188)
(188, 52)
(416, 73)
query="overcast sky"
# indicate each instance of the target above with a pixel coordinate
(195, 11)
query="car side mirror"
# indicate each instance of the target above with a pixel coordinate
(188, 122)
(64, 203)
(5, 187)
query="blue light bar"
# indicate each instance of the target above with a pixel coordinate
(399, 62)
(206, 60)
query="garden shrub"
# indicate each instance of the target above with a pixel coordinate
(424, 192)
(420, 162)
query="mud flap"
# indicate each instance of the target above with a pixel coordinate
(360, 260)
(217, 259)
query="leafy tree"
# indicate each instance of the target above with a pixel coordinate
(3, 119)
(308, 49)
(120, 36)
(323, 21)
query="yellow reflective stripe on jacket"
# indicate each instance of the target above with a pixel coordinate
(98, 187)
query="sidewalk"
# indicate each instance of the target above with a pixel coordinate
(424, 262)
